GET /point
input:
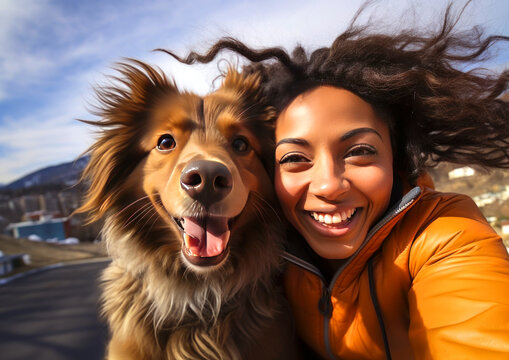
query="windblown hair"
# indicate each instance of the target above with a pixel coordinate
(437, 105)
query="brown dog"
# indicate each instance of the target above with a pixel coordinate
(190, 221)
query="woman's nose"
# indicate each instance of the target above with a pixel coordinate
(328, 180)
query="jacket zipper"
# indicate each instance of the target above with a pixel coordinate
(325, 302)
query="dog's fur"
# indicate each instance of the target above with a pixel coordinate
(158, 303)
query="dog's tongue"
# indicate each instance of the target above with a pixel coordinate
(206, 238)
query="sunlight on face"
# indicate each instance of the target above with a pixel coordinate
(333, 169)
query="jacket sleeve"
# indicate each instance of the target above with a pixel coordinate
(459, 297)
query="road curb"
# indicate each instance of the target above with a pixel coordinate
(7, 280)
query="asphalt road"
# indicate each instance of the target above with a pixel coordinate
(53, 315)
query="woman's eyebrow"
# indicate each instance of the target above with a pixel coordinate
(295, 141)
(346, 136)
(354, 132)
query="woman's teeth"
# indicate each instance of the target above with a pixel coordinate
(332, 218)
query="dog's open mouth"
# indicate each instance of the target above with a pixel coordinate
(205, 239)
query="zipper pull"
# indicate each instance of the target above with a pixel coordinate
(325, 303)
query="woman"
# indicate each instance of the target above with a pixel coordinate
(380, 264)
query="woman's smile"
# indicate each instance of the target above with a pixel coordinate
(335, 223)
(335, 218)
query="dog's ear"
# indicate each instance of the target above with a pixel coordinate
(257, 112)
(244, 86)
(124, 109)
(247, 89)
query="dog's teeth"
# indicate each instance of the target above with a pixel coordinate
(320, 218)
(188, 245)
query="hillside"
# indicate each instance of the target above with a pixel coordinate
(483, 182)
(42, 254)
(66, 174)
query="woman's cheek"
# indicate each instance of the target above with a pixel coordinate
(287, 189)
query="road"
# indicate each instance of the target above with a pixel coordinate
(53, 315)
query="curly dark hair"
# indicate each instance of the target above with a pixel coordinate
(419, 82)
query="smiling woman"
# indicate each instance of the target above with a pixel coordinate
(380, 265)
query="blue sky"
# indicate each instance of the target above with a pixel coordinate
(54, 52)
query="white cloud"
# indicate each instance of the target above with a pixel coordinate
(19, 63)
(46, 138)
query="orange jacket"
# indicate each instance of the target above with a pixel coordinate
(431, 281)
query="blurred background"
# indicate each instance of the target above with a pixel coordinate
(54, 52)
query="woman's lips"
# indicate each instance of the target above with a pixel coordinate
(333, 223)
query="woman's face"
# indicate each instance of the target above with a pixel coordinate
(333, 169)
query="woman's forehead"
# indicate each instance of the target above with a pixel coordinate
(325, 109)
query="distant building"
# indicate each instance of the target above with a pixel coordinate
(30, 203)
(69, 201)
(50, 203)
(44, 228)
(492, 197)
(484, 199)
(461, 173)
(505, 227)
(492, 220)
(40, 215)
(9, 262)
(16, 207)
(504, 194)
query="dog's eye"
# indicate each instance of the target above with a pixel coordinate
(166, 142)
(240, 145)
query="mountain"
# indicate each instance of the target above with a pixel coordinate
(488, 184)
(66, 174)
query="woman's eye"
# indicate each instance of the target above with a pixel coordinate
(166, 142)
(362, 150)
(292, 158)
(240, 145)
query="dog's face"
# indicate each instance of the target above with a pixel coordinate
(184, 173)
(203, 163)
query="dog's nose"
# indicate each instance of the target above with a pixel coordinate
(206, 181)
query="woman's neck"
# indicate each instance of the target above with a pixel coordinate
(329, 267)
